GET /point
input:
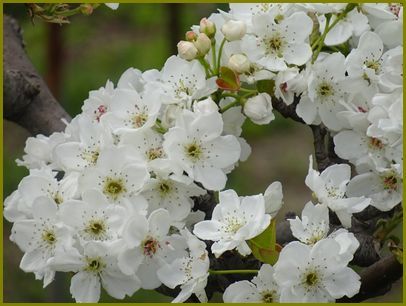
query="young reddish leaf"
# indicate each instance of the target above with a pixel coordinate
(228, 79)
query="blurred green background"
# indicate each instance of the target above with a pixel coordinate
(80, 57)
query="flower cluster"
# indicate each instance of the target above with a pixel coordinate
(111, 199)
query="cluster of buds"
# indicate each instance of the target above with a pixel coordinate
(197, 45)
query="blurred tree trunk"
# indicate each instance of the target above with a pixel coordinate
(55, 58)
(173, 26)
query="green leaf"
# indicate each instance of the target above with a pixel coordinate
(267, 86)
(264, 246)
(228, 79)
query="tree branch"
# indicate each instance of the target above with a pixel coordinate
(27, 99)
(377, 279)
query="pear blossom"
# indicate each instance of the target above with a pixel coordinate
(274, 45)
(94, 218)
(314, 274)
(263, 288)
(146, 247)
(99, 101)
(40, 237)
(95, 266)
(195, 143)
(233, 222)
(190, 272)
(117, 174)
(383, 185)
(131, 111)
(330, 189)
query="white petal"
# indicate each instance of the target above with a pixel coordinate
(85, 287)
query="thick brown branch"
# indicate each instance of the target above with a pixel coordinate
(377, 279)
(287, 111)
(27, 99)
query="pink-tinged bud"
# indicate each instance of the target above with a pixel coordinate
(234, 29)
(187, 50)
(203, 44)
(207, 27)
(239, 63)
(190, 36)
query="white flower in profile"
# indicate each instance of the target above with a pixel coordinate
(273, 198)
(330, 187)
(40, 237)
(97, 264)
(77, 154)
(113, 6)
(116, 174)
(93, 217)
(131, 111)
(383, 185)
(172, 192)
(234, 221)
(196, 144)
(262, 289)
(314, 224)
(146, 247)
(99, 101)
(189, 272)
(326, 88)
(184, 81)
(38, 151)
(274, 45)
(314, 274)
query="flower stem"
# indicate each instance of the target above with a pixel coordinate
(217, 70)
(213, 54)
(214, 272)
(248, 90)
(230, 105)
(206, 66)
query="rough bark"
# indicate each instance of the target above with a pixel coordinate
(27, 99)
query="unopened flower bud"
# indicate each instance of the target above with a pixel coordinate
(207, 27)
(187, 50)
(259, 109)
(86, 9)
(234, 29)
(190, 36)
(203, 44)
(239, 63)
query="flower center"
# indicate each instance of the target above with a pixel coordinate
(150, 247)
(375, 143)
(57, 198)
(325, 90)
(390, 182)
(373, 65)
(155, 153)
(267, 296)
(49, 237)
(100, 111)
(96, 228)
(311, 279)
(164, 188)
(274, 45)
(90, 156)
(113, 188)
(233, 225)
(182, 88)
(395, 9)
(94, 264)
(194, 151)
(139, 119)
